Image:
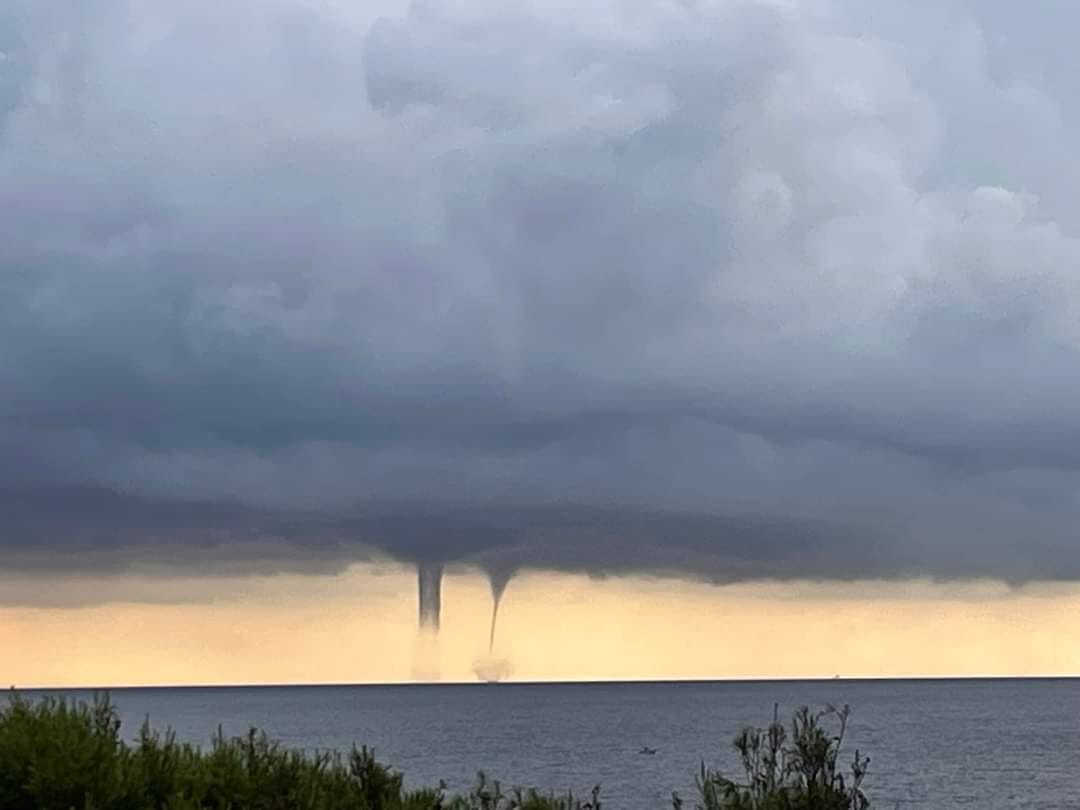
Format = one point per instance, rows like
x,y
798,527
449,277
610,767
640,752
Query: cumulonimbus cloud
x,y
811,260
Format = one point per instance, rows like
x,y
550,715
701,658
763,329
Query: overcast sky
x,y
807,264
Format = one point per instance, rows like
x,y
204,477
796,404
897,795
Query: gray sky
x,y
807,263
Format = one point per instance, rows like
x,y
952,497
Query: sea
x,y
986,743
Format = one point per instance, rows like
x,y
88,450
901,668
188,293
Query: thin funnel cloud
x,y
499,577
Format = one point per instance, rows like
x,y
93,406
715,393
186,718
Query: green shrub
x,y
56,755
802,774
53,754
490,796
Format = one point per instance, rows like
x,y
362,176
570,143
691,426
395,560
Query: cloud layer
x,y
814,261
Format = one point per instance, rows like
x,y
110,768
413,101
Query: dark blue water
x,y
984,744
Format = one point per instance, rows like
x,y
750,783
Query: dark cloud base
x,y
723,290
83,529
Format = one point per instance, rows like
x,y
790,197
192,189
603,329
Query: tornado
x,y
494,618
498,580
429,581
490,668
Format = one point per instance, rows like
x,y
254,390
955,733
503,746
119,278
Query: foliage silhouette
x,y
60,755
782,772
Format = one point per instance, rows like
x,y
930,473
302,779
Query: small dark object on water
x,y
646,750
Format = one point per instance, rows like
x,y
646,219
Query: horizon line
x,y
551,682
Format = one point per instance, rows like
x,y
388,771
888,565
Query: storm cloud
x,y
737,289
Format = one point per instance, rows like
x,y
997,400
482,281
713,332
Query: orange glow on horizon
x,y
360,626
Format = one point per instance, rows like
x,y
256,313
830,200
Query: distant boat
x,y
646,750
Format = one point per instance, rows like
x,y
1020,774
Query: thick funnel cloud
x,y
429,580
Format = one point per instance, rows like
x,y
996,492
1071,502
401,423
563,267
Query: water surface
x,y
940,744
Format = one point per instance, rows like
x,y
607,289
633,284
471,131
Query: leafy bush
x,y
53,754
56,755
802,774
490,796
